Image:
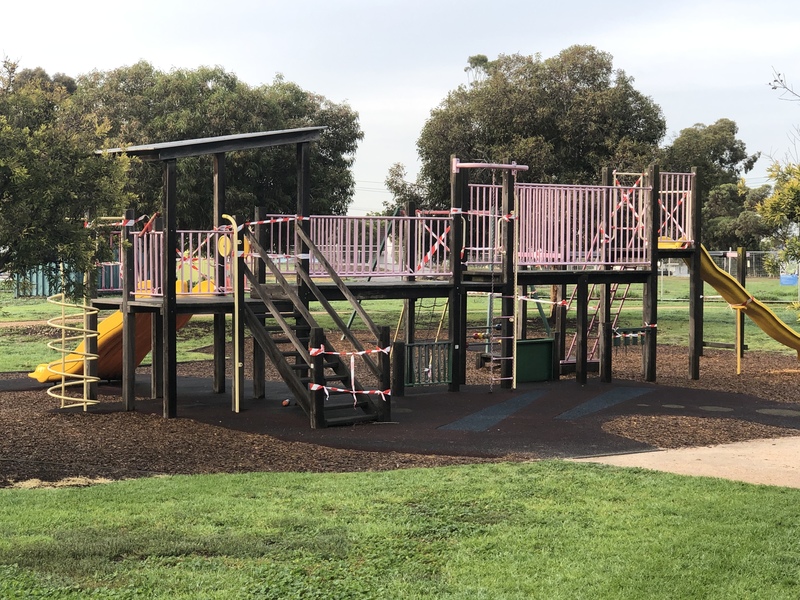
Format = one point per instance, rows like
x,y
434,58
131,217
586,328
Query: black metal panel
x,y
214,145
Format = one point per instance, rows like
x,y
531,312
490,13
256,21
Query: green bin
x,y
535,360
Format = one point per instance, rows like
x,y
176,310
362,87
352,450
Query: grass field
x,y
23,347
523,530
538,530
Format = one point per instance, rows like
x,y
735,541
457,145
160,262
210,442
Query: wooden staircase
x,y
320,379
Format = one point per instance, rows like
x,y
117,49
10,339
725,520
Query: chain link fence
x,y
759,264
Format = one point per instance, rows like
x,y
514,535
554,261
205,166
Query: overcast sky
x,y
393,61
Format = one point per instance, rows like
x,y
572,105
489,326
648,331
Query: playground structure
x,y
500,241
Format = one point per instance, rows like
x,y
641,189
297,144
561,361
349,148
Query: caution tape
x,y
429,256
328,389
123,223
743,305
541,301
321,350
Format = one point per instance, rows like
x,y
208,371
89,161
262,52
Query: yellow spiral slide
x,y
109,349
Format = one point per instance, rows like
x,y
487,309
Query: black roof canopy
x,y
215,145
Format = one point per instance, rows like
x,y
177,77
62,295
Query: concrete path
x,y
770,462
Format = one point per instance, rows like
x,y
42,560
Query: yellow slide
x,y
735,295
109,348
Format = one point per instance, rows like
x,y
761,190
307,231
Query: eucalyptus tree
x,y
50,179
565,117
146,105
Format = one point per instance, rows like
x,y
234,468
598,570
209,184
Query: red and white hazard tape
x,y
429,256
328,389
321,350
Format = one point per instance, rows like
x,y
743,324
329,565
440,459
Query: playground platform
x,y
541,420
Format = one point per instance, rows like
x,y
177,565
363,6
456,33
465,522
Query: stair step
x,y
350,419
327,379
284,340
299,367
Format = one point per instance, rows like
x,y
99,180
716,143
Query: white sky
x,y
395,60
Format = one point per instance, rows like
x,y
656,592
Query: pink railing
x,y
356,247
202,262
483,234
559,225
675,202
581,226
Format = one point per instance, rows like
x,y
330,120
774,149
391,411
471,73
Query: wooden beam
x,y
459,193
169,298
128,317
650,294
259,356
220,187
606,334
582,326
507,287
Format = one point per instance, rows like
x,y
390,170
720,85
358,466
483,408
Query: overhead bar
x,y
458,165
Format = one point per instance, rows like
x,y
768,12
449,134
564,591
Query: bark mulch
x,y
40,444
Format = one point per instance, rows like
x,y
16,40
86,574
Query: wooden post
x,y
582,325
605,325
742,276
259,356
459,190
695,286
386,371
560,331
650,294
157,343
218,383
508,300
169,298
128,316
606,334
399,366
695,314
238,323
303,210
410,304
317,404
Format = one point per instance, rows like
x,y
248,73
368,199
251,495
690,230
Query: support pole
x,y
218,384
128,316
386,372
606,334
399,366
459,192
582,326
605,325
157,343
259,356
237,257
742,276
317,404
507,285
169,298
695,286
650,293
303,210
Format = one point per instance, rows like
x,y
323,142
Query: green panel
x,y
535,360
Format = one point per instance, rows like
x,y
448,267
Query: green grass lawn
x,y
22,348
538,530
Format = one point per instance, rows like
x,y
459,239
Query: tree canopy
x,y
145,105
49,178
729,214
721,158
565,117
